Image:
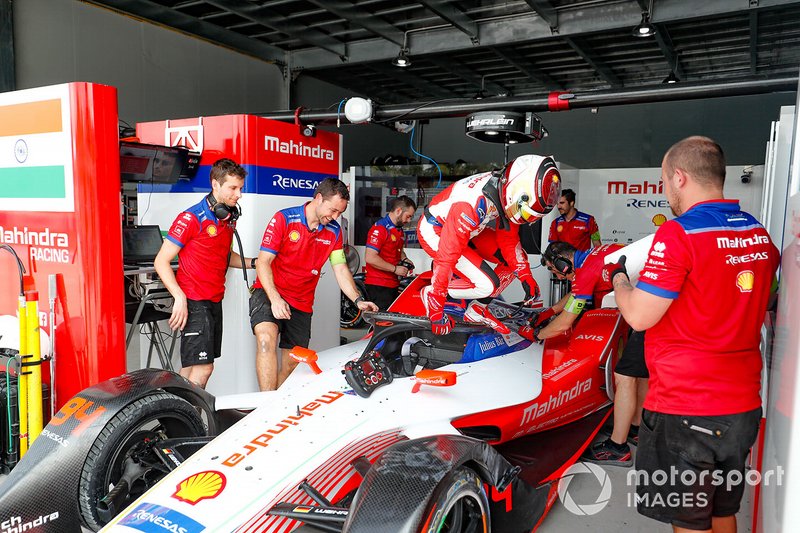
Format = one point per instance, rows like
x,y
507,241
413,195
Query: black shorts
x,y
201,339
690,468
294,332
631,362
381,296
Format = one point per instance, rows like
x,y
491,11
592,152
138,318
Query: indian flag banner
x,y
36,150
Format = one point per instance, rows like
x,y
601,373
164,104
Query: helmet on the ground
x,y
531,187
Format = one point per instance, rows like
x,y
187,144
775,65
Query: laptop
x,y
140,244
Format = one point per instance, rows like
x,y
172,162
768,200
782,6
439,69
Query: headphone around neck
x,y
222,211
562,265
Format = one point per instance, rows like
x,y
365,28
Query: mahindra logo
x,y
273,144
293,183
623,187
741,242
554,401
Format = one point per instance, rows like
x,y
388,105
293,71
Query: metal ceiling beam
x,y
152,11
753,41
591,58
467,74
515,59
545,9
255,13
449,12
361,17
589,99
590,18
668,49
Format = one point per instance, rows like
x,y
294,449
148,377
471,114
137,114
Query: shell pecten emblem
x,y
745,280
200,486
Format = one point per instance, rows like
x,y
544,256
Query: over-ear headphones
x,y
562,265
222,211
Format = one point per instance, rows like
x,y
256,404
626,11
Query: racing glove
x,y
530,333
612,269
441,322
531,289
543,318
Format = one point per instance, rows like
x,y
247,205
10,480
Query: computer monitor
x,y
140,243
152,163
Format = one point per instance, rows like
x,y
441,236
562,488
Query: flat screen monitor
x,y
152,163
140,243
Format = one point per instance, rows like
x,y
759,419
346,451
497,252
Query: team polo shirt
x,y
578,231
205,244
717,264
588,280
300,254
388,240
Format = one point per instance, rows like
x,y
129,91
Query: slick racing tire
x,y
350,316
133,433
459,505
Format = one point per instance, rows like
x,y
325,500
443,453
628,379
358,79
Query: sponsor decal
x,y
212,231
274,144
626,188
559,368
285,182
79,410
178,230
200,486
555,400
741,242
55,438
493,121
21,151
589,337
745,280
658,220
294,235
152,518
262,441
45,245
658,249
326,242
746,258
468,220
187,216
392,237
650,275
560,228
16,525
302,509
642,204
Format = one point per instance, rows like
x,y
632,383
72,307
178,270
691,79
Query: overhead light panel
x,y
672,78
402,60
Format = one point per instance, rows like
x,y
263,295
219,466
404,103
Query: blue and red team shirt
x,y
300,254
589,264
388,240
578,231
205,244
717,264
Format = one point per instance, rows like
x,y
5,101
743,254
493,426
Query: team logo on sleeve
x,y
294,236
745,280
658,249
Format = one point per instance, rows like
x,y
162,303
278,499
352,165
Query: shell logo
x,y
211,230
560,228
200,486
658,219
745,280
294,235
394,238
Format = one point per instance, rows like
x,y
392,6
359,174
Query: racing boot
x,y
479,313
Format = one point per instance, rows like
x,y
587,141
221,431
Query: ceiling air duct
x,y
505,127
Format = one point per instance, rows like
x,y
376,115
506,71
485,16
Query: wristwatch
x,y
253,263
358,299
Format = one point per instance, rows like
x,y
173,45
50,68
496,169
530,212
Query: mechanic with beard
x,y
296,243
476,221
573,226
701,296
201,237
386,260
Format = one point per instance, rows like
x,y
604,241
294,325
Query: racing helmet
x,y
530,189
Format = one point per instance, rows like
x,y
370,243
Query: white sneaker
x,y
479,313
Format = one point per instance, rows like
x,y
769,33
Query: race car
x,y
403,431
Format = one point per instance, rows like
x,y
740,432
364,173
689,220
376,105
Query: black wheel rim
x,y
350,314
464,516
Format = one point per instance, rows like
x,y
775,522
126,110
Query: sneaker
x,y
608,452
633,435
478,313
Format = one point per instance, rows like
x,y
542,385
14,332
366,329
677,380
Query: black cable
x,y
241,258
20,267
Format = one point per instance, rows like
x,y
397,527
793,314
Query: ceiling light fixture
x,y
672,78
402,60
645,28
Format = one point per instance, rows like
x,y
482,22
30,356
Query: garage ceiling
x,y
462,49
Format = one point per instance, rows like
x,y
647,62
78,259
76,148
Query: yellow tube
x,y
35,376
22,379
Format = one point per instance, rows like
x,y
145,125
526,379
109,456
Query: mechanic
x,y
702,296
584,270
385,257
475,221
296,243
573,226
201,237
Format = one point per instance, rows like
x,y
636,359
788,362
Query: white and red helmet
x,y
530,189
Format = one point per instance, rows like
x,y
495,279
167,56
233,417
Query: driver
x,y
476,221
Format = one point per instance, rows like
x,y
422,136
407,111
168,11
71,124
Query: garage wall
x,y
159,73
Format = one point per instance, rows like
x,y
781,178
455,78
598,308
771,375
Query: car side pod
x,y
307,356
434,378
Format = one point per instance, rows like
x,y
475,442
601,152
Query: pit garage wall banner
x,y
59,211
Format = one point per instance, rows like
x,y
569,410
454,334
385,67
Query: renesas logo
x,y
740,242
273,144
637,203
746,258
625,188
556,400
156,518
285,182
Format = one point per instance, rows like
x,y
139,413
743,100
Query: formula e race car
x,y
403,431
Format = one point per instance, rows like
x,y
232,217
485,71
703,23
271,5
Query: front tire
x,y
132,434
459,505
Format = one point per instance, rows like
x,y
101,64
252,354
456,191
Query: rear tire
x,y
350,316
459,505
133,431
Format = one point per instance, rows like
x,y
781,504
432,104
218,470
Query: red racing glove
x,y
531,288
441,322
612,269
543,318
530,333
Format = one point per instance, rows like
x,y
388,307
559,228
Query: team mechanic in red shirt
x,y
201,237
573,226
384,252
466,224
296,243
701,295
